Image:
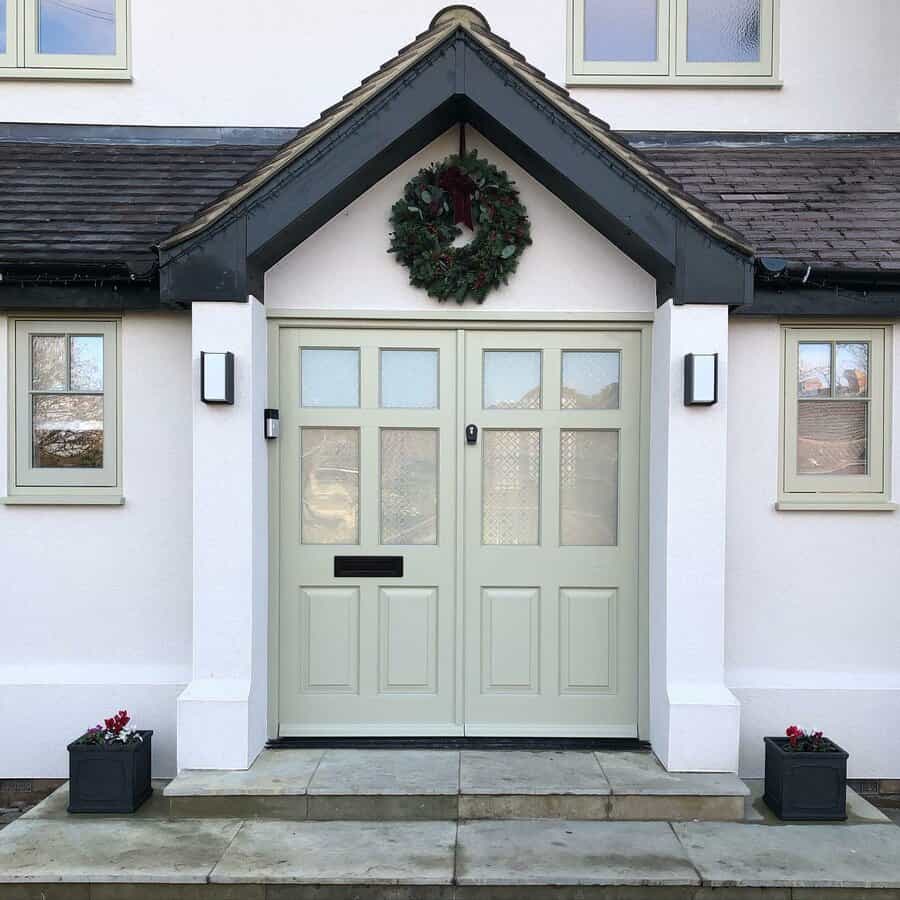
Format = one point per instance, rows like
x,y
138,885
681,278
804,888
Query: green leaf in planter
x,y
508,251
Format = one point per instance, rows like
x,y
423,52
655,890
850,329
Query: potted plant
x,y
109,768
806,776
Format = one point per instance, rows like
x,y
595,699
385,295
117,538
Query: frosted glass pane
x,y
77,26
409,379
512,379
86,362
832,437
851,370
329,479
67,431
511,480
2,27
723,31
815,370
620,30
409,486
48,361
589,488
329,377
590,380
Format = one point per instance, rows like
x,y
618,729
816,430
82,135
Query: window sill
x,y
835,506
63,500
674,81
50,74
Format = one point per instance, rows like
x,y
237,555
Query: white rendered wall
x,y
95,601
813,598
214,62
570,267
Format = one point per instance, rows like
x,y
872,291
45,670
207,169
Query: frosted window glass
x,y
589,488
86,362
409,486
67,431
511,481
409,379
329,377
329,479
590,380
77,26
620,30
48,361
512,379
832,437
723,31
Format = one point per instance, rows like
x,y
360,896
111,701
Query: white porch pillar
x,y
222,712
694,718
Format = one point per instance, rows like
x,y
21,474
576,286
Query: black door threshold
x,y
456,743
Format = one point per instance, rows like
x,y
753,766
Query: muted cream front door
x,y
439,582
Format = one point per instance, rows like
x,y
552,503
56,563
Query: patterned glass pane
x,y
815,370
67,431
512,379
851,370
723,31
589,488
48,361
409,486
409,379
329,377
590,380
511,481
86,362
832,437
77,26
620,30
329,485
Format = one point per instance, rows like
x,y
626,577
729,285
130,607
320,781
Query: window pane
x,y
329,377
2,27
77,26
67,432
851,369
409,379
620,30
590,380
409,484
512,379
48,361
511,481
86,362
723,31
832,438
329,480
589,488
815,370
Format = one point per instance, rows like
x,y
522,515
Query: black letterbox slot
x,y
368,567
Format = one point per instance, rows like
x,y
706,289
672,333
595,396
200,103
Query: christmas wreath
x,y
468,190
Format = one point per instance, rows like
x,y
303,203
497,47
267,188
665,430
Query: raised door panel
x,y
329,622
408,636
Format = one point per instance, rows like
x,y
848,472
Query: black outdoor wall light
x,y
217,377
701,379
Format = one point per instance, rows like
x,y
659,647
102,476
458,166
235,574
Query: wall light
x,y
701,379
217,377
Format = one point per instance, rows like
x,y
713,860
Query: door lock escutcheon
x,y
471,434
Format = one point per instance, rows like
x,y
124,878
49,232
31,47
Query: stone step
x,y
375,785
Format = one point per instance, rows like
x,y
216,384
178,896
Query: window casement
x,y
836,418
64,412
87,39
673,42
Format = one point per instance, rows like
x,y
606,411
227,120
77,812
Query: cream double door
x,y
436,579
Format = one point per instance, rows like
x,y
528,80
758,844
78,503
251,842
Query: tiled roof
x,y
827,206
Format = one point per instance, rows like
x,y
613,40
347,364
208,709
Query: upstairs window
x,y
64,39
673,42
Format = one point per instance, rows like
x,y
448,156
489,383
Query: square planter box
x,y
104,779
805,786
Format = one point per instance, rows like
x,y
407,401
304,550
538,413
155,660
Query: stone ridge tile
x,y
152,851
797,856
501,773
560,852
641,773
55,806
387,772
363,853
274,773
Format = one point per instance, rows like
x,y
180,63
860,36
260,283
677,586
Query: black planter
x,y
805,786
112,778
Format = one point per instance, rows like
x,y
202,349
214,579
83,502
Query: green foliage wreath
x,y
464,189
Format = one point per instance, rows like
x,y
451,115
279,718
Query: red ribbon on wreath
x,y
460,187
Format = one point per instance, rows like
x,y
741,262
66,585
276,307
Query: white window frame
x,y
23,59
33,485
672,69
871,491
